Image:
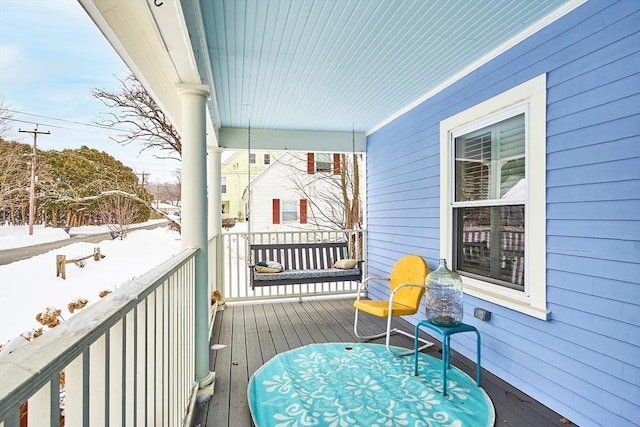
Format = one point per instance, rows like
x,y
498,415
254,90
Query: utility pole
x,y
144,175
32,192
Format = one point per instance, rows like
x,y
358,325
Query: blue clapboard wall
x,y
584,362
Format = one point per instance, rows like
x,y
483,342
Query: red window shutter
x,y
311,164
276,211
303,211
336,164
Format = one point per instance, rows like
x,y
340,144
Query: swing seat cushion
x,y
309,276
345,264
269,267
267,270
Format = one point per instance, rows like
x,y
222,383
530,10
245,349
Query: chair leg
x,y
364,337
395,331
387,334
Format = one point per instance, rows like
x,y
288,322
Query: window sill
x,y
507,298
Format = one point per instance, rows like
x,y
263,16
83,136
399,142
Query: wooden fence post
x,y
97,256
61,263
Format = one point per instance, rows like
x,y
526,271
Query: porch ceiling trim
x,y
283,140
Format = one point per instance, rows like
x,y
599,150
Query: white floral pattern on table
x,y
359,384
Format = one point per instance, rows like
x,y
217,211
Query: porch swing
x,y
301,263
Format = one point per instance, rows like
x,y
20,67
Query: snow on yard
x,y
16,237
30,286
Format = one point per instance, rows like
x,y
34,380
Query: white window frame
x,y
223,190
292,202
530,97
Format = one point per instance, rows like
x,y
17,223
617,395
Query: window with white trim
x,y
267,159
224,184
324,162
493,202
289,210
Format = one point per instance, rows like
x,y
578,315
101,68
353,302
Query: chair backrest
x,y
409,269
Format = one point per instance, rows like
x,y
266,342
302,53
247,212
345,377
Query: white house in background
x,y
235,173
299,191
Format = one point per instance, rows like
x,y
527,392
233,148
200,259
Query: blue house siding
x,y
585,361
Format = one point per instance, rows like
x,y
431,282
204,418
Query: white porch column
x,y
215,213
194,214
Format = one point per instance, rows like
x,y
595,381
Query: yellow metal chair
x,y
406,289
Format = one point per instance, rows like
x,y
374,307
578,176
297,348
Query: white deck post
x,y
215,211
194,215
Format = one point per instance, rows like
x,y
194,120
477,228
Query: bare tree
x,y
338,205
119,210
178,187
165,192
350,183
6,114
139,118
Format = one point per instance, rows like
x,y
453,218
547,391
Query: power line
x,y
144,166
60,127
97,125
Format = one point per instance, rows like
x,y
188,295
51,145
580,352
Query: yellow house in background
x,y
235,177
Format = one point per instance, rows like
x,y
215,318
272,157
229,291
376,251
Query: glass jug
x,y
444,296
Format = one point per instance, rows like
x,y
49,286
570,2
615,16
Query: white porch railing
x,y
235,268
127,360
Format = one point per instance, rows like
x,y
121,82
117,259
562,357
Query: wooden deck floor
x,y
253,334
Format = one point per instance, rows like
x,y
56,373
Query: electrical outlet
x,y
482,314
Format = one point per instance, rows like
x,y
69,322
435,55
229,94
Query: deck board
x,y
291,332
253,334
239,371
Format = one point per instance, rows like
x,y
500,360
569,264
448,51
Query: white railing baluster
x,y
162,363
116,374
97,385
153,338
139,374
40,405
157,356
74,396
130,366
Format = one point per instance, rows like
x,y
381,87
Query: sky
x,y
52,57
29,286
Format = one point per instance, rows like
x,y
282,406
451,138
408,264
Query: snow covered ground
x,y
30,286
16,237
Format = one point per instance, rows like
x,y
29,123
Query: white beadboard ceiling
x,y
333,65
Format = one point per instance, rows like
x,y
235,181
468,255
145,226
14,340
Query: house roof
x,y
305,74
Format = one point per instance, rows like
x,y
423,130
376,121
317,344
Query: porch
x,y
130,359
253,333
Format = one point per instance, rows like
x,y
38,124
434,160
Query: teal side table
x,y
446,332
